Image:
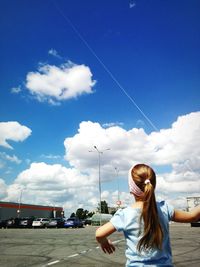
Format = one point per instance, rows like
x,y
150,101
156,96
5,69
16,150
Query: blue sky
x,y
69,70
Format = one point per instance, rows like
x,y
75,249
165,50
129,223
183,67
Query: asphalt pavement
x,y
77,247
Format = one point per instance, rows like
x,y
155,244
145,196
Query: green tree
x,y
104,207
81,213
73,215
90,214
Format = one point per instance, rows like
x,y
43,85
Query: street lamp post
x,y
62,213
99,168
118,197
19,204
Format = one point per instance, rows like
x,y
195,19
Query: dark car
x,y
3,223
26,222
73,222
12,223
56,222
88,221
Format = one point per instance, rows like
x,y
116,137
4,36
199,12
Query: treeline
x,y
84,214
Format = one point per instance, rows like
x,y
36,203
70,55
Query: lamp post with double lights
x,y
99,176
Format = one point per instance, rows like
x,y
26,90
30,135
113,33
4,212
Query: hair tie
x,y
133,187
147,181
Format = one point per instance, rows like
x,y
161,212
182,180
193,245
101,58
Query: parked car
x,y
26,222
3,223
12,223
73,222
40,222
88,221
56,222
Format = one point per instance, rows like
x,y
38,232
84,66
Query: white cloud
x,y
111,198
178,146
132,4
7,157
50,156
54,84
126,147
53,184
3,189
171,182
111,124
54,53
2,164
77,186
16,90
180,142
12,130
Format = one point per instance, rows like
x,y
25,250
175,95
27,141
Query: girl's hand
x,y
107,247
101,237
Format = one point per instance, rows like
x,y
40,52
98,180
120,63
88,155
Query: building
x,y
100,219
193,202
20,210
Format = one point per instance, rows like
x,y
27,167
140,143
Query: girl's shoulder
x,y
163,204
125,217
166,208
129,211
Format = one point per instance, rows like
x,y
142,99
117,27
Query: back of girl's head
x,y
144,177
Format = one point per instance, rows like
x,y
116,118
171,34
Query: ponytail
x,y
153,234
145,179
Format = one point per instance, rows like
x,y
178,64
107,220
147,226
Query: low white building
x,y
100,219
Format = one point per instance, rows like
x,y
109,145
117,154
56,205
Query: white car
x,y
40,222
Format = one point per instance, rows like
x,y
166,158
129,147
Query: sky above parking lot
x,y
119,75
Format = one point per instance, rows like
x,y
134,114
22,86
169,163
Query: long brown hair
x,y
153,234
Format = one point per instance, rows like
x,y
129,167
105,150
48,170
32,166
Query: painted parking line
x,y
53,262
78,254
74,255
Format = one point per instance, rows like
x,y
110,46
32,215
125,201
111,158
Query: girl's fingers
x,y
108,248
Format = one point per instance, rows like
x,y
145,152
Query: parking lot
x,y
77,247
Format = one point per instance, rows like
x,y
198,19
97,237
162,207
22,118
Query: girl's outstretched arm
x,y
187,216
101,236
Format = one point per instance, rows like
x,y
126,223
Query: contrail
x,y
104,66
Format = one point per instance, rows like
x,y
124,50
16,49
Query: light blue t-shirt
x,y
128,221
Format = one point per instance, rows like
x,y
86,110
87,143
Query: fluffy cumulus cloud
x,y
179,143
57,185
173,153
54,84
3,189
173,146
13,131
53,185
177,147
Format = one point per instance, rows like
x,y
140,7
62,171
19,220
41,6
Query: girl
x,y
145,224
